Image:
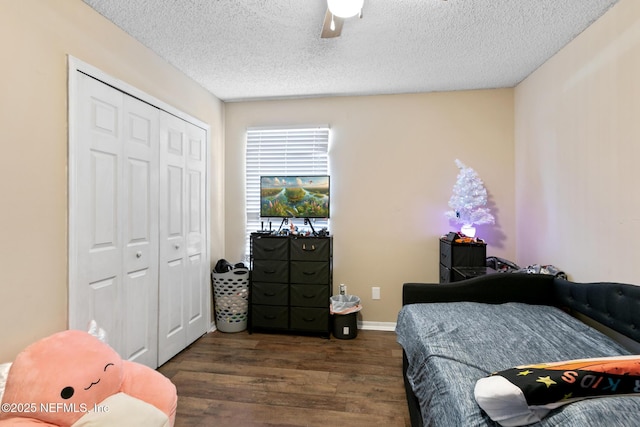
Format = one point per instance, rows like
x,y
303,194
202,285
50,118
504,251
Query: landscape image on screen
x,y
294,196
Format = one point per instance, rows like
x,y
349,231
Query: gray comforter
x,y
450,346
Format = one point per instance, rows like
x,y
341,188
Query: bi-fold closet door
x,y
138,242
183,261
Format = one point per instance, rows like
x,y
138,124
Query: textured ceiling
x,y
266,49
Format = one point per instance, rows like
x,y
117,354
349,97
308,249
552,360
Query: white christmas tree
x,y
468,199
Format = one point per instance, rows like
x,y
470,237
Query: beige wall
x,y
35,38
577,148
392,173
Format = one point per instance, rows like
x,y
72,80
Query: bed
x,y
453,335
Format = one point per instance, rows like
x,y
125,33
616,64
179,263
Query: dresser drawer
x,y
268,316
271,248
445,254
309,272
310,295
270,271
269,293
310,249
310,319
445,274
462,255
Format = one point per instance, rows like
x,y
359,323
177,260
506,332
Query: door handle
x,y
177,246
138,254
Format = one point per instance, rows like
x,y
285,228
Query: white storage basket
x,y
231,296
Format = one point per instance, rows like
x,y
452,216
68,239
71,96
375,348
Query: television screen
x,y
294,196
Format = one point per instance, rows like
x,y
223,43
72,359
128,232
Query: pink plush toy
x,y
73,379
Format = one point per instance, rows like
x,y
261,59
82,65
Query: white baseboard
x,y
371,326
377,326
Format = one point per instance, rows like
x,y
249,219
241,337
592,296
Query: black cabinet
x,y
291,282
454,254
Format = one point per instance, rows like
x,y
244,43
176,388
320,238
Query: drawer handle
x,y
269,294
269,249
269,271
270,317
304,247
308,296
308,273
309,319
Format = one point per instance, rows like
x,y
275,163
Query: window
x,y
282,151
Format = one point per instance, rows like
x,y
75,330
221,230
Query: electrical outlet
x,y
375,292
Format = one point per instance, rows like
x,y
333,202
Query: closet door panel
x,y
141,245
96,292
140,231
194,297
171,308
101,297
183,292
175,203
172,334
101,205
196,237
140,337
195,211
116,214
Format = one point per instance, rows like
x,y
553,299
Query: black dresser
x,y
454,255
291,282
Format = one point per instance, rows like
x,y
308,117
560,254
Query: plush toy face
x,y
63,376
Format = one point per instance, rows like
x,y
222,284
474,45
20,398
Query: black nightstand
x,y
454,255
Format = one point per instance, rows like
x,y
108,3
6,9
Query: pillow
x,y
526,394
60,378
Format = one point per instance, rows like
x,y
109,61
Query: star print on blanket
x,y
525,394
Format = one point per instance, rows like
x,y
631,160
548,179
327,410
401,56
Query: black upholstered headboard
x,y
615,305
491,289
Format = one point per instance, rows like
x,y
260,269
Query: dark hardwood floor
x,y
261,379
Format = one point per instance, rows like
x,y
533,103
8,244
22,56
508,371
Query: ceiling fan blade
x,y
327,32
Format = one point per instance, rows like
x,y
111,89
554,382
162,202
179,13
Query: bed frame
x,y
612,308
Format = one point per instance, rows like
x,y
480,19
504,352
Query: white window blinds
x,y
282,151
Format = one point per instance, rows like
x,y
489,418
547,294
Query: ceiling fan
x,y
337,12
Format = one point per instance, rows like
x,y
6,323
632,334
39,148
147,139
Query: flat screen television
x,y
294,196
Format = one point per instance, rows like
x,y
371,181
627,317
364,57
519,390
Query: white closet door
x,y
138,218
172,332
183,264
95,294
115,212
198,273
140,231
